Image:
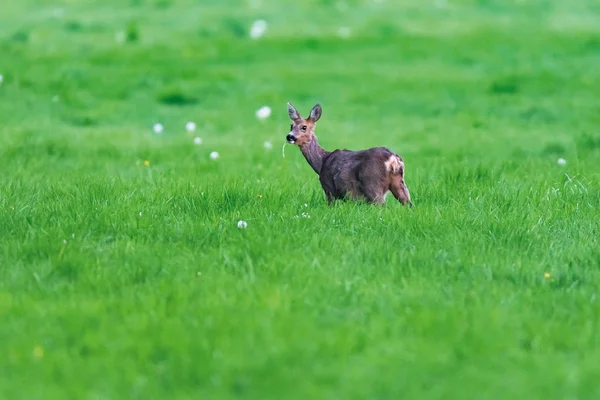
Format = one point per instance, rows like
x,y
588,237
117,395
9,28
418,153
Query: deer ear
x,y
292,112
315,113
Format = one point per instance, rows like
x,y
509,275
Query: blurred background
x,y
405,71
135,135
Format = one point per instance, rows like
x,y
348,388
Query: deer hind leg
x,y
379,198
399,190
330,198
373,194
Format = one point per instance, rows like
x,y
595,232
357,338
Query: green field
x,y
121,280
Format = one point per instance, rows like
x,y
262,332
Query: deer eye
x,y
303,128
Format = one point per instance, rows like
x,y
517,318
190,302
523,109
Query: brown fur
x,y
367,174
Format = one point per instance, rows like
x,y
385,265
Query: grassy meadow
x,y
124,275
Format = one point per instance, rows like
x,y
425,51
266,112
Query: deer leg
x,y
329,197
328,188
373,195
400,191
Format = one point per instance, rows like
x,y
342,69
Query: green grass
x,y
445,300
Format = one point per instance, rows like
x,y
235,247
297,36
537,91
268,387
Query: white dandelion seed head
x,y
561,161
214,155
140,213
255,3
58,12
242,224
344,32
120,37
158,128
190,126
263,112
258,28
72,236
64,241
1,78
197,140
268,145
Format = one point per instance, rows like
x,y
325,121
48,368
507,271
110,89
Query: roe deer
x,y
367,174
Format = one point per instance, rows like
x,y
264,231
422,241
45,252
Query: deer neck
x,y
314,154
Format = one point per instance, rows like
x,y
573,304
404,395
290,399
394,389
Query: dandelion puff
x,y
214,155
561,162
344,32
264,112
258,29
1,78
268,145
441,3
198,140
58,12
158,128
64,241
190,126
140,214
242,224
120,37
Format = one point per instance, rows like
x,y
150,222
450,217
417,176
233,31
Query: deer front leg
x,y
328,188
372,193
400,191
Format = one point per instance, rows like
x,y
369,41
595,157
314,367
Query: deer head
x,y
302,131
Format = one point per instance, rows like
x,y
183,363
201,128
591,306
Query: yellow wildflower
x,y
38,351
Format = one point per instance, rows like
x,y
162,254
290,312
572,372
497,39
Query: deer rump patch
x,y
394,165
